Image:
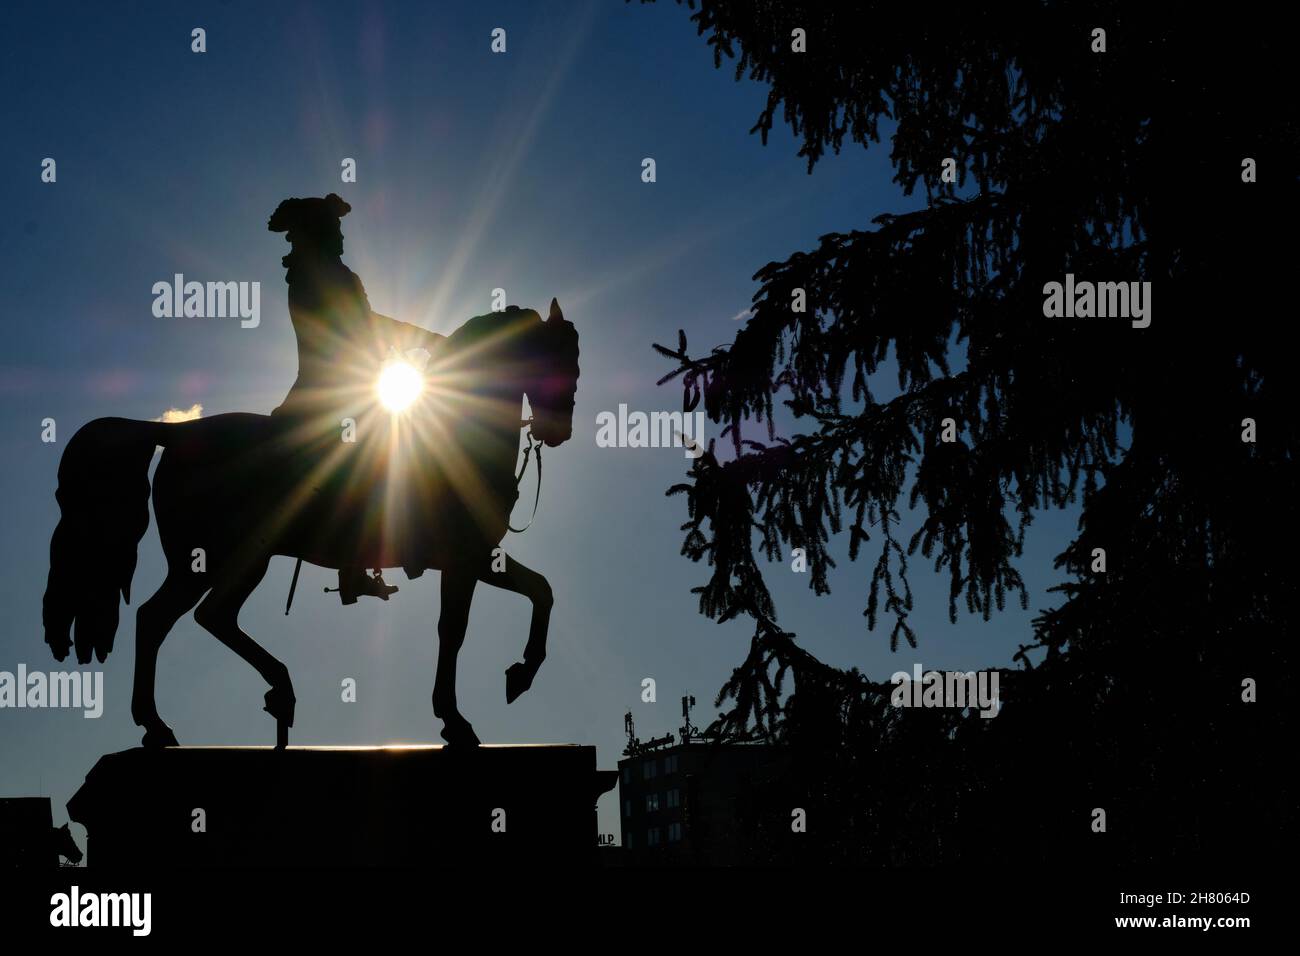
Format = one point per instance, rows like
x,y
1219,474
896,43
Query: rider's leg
x,y
353,582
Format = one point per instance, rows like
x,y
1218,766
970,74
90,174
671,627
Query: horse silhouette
x,y
431,488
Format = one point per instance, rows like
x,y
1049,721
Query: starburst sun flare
x,y
400,384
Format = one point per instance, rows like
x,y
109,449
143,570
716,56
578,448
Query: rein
x,y
533,443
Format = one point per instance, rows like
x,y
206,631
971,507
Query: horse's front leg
x,y
457,592
519,579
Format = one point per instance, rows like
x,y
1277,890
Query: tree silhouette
x,y
1136,163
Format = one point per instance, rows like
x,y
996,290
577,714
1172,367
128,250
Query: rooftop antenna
x,y
688,731
629,728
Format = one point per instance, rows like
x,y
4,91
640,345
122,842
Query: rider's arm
x,y
387,332
403,336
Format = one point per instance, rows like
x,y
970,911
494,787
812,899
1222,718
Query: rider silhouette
x,y
341,340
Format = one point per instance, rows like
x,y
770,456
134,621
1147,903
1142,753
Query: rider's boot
x,y
354,582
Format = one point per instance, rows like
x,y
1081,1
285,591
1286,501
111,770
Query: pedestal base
x,y
345,806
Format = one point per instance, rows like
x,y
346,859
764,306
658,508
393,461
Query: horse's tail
x,y
103,498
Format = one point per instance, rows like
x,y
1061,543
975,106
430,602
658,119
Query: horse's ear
x,y
555,311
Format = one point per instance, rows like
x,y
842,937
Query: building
x,y
681,800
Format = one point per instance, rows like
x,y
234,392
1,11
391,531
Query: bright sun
x,y
400,384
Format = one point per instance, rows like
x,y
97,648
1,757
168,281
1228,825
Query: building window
x,y
674,832
648,769
627,808
670,764
631,838
674,797
627,774
651,802
652,837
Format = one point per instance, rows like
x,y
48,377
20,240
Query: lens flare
x,y
400,384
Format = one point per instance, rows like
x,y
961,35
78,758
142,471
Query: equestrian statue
x,y
341,475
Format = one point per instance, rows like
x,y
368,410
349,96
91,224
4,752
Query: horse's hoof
x,y
280,704
519,677
460,734
158,737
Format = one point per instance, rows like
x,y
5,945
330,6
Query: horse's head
x,y
554,351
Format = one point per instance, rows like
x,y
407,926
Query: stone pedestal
x,y
342,806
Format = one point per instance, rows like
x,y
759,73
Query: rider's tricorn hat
x,y
307,218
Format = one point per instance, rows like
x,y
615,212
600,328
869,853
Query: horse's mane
x,y
512,328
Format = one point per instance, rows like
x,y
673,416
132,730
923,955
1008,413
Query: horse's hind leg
x,y
523,580
453,618
219,616
180,591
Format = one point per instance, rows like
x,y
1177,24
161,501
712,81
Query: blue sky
x,y
475,171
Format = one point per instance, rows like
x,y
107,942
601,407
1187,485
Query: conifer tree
x,y
1164,150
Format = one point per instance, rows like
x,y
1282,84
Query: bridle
x,y
533,444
